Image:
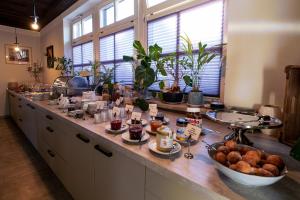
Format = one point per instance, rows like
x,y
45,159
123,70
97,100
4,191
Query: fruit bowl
x,y
242,178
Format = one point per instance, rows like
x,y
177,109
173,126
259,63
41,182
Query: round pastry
x,y
223,149
252,157
271,168
233,167
275,160
231,145
244,150
263,172
244,167
220,157
234,156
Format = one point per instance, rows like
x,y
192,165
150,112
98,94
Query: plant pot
x,y
195,98
171,97
98,89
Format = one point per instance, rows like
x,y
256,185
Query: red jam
x,y
135,132
115,124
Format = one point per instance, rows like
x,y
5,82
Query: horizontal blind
x,y
112,50
201,23
82,55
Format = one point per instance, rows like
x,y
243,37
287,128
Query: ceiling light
x,y
17,48
34,25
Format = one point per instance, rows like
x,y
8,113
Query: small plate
x,y
125,136
144,122
148,130
184,142
152,147
165,122
124,127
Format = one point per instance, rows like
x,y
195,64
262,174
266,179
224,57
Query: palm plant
x,y
195,62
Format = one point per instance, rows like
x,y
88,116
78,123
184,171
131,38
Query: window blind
x,y
112,49
201,23
82,55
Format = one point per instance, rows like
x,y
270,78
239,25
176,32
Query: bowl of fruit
x,y
247,165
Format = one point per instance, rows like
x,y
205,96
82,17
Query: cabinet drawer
x,y
55,137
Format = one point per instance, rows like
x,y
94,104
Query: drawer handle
x,y
83,138
51,153
13,95
20,106
105,152
19,99
49,129
20,120
30,106
49,117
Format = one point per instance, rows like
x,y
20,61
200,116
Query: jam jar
x,y
135,131
193,116
181,124
164,139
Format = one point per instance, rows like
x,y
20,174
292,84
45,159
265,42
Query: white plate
x,y
152,147
124,127
125,136
144,122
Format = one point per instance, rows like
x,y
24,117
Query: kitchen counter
x,y
198,173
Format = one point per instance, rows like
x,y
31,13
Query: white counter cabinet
x,y
117,176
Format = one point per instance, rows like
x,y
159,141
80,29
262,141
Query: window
x,y
83,27
112,49
116,11
125,8
82,55
166,32
151,3
107,15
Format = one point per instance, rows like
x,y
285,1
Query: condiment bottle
x,y
164,139
181,124
193,116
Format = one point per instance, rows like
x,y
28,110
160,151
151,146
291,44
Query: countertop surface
x,y
199,172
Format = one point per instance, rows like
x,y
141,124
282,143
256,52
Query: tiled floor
x,y
23,173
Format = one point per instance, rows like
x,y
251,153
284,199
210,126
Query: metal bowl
x,y
245,179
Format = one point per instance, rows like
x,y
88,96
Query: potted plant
x,y
195,63
144,74
174,68
35,71
103,77
65,65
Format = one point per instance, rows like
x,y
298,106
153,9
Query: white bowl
x,y
245,179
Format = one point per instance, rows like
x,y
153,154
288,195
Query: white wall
x,y
12,72
52,35
263,37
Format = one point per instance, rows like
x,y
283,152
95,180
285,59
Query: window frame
x,y
115,61
83,37
171,7
82,64
142,14
116,23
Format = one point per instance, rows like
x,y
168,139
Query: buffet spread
x,y
170,136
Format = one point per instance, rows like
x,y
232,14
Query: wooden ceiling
x,y
16,13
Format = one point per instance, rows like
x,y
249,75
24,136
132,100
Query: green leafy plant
x,y
96,70
145,75
195,62
175,68
65,65
106,75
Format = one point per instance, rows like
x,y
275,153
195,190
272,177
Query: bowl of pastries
x,y
247,165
